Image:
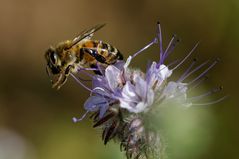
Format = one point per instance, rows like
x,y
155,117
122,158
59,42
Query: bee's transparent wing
x,y
88,33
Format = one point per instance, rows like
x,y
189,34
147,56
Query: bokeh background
x,y
35,120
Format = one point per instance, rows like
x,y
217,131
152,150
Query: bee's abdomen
x,y
101,51
111,53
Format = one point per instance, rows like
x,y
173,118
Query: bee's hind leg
x,y
98,72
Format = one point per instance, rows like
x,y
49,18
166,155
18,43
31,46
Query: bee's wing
x,y
88,33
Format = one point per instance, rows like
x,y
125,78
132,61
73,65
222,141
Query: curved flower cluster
x,y
122,99
135,90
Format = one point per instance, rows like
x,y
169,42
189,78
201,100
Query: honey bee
x,y
81,52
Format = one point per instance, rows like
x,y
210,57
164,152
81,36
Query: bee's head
x,y
53,64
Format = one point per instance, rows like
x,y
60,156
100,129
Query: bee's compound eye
x,y
53,57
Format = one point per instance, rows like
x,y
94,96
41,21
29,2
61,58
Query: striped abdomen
x,y
92,51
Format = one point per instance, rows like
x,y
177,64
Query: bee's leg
x,y
63,78
57,82
98,72
66,74
119,55
63,81
68,70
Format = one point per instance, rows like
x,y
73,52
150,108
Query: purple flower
x,y
123,95
137,91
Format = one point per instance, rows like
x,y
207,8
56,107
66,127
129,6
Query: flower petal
x,y
141,87
101,92
112,75
164,72
119,64
127,62
150,97
140,107
99,81
94,103
128,91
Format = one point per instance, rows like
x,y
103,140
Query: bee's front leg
x,y
68,70
66,74
64,77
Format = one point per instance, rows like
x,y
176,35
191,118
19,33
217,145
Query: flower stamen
x,y
212,91
78,81
198,82
193,71
159,36
171,46
154,41
187,70
186,57
204,72
75,120
211,103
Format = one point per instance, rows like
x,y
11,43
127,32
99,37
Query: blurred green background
x,y
35,120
